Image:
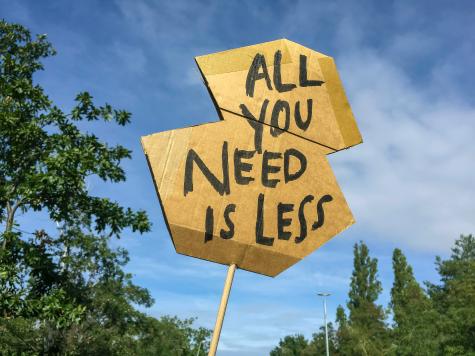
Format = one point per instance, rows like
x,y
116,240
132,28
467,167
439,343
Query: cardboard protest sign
x,y
255,189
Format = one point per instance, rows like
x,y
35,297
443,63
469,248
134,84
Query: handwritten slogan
x,y
255,189
264,167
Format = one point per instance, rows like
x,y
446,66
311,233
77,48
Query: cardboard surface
x,y
186,209
256,189
331,122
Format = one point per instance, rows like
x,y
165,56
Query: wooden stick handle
x,y
222,310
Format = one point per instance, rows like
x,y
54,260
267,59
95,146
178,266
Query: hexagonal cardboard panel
x,y
296,82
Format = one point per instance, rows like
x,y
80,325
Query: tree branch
x,y
11,210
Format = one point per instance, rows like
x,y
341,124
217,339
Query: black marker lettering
x,y
303,164
304,82
320,213
268,169
231,208
240,166
260,238
253,75
209,224
303,125
220,187
280,105
255,124
303,222
281,222
281,88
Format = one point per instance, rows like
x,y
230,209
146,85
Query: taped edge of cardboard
x,y
248,256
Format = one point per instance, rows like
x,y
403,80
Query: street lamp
x,y
324,295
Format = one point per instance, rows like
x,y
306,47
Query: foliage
x,y
290,346
171,336
343,335
65,291
316,346
365,332
414,331
438,321
454,298
299,346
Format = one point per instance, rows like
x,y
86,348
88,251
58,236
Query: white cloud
x,y
411,180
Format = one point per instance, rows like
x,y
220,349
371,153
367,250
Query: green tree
x,y
316,345
366,328
343,339
290,346
454,298
171,336
414,331
62,291
48,284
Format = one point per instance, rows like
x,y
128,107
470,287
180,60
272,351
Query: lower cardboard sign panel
x,y
238,191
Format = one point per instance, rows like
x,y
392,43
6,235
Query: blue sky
x,y
406,67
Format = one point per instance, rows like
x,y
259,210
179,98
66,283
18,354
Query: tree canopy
x,y
364,331
436,320
65,291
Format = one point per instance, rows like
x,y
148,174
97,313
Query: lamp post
x,y
324,295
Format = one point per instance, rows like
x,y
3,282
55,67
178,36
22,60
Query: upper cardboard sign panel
x,y
285,85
